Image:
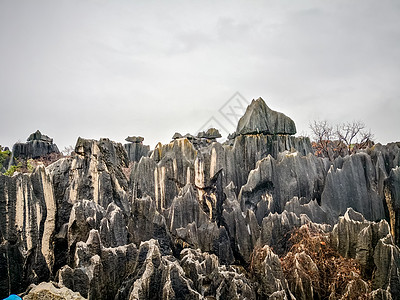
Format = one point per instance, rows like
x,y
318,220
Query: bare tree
x,y
68,150
354,135
323,134
347,138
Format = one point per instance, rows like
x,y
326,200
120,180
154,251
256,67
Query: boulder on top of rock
x,y
211,133
134,139
259,118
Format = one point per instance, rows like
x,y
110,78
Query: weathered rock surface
x,y
210,134
156,277
50,291
197,219
392,201
27,222
351,182
259,118
274,182
135,149
372,245
98,271
37,145
267,269
135,139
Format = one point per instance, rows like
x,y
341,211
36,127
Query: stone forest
x,y
260,216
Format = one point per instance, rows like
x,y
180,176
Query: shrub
x,y
4,157
13,169
333,273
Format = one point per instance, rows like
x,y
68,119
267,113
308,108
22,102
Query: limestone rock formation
x,y
199,219
135,149
373,247
259,118
275,181
176,136
27,221
98,272
210,134
50,291
154,276
135,139
270,280
351,182
37,145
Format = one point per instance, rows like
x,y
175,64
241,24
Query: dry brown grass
x,y
333,273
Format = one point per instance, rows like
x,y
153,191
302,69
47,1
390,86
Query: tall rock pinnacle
x,y
259,118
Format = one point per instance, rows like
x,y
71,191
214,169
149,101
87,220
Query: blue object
x,y
13,297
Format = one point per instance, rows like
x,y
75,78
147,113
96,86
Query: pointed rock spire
x,y
259,118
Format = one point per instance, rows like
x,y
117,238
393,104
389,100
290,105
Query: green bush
x,y
13,169
4,156
29,165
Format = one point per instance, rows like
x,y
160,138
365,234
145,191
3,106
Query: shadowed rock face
x,y
37,145
197,219
135,149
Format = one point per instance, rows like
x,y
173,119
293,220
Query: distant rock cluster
x,y
200,219
37,145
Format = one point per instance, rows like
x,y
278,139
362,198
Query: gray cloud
x,y
112,69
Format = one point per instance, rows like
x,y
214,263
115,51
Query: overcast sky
x,y
151,68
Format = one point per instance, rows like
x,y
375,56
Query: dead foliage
x,y
313,259
49,158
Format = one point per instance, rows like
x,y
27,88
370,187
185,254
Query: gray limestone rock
x,y
199,267
176,136
242,227
198,211
276,229
228,283
387,262
303,206
372,245
259,118
27,223
134,139
392,201
147,223
51,291
37,145
211,134
94,173
274,182
301,279
97,271
136,151
38,136
351,182
156,277
267,269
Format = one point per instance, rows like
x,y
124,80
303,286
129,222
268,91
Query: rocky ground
x,y
257,217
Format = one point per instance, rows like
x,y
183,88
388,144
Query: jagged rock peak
x,y
38,136
134,139
37,145
211,133
259,118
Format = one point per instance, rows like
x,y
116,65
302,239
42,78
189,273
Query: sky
x,y
93,68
